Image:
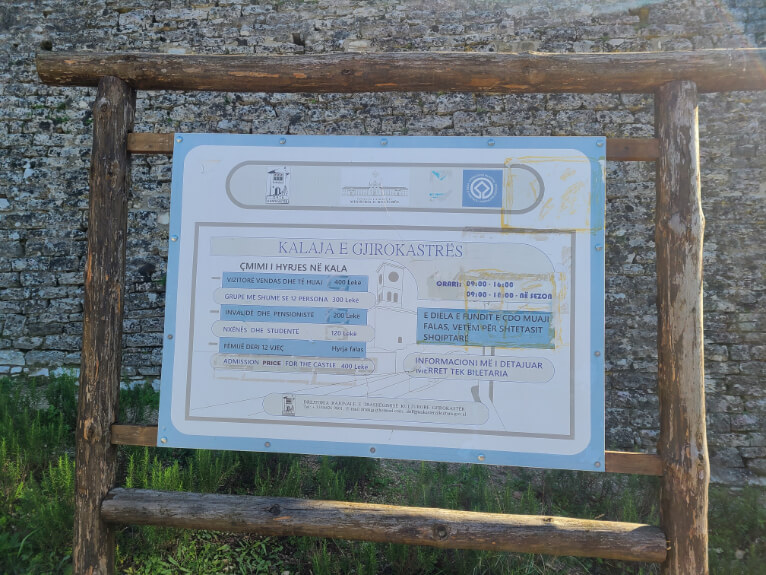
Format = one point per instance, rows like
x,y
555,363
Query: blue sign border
x,y
589,459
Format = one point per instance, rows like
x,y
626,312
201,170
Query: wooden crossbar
x,y
636,72
617,149
150,143
442,528
616,461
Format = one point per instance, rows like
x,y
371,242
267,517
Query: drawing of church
x,y
390,281
394,316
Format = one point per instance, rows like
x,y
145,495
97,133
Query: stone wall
x,y
45,146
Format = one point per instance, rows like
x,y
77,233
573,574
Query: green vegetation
x,y
737,531
37,484
36,475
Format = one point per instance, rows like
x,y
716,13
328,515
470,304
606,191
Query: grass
x,y
36,475
37,499
737,531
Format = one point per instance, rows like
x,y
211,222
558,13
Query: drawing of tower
x,y
390,282
394,317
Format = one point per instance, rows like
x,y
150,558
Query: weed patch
x,y
37,420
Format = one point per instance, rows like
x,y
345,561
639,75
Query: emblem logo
x,y
288,405
278,190
483,188
375,193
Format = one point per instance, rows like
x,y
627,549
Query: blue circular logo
x,y
482,189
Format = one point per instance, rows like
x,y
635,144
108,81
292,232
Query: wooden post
x,y
113,112
679,231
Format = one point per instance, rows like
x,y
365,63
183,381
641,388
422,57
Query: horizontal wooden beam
x,y
616,461
449,529
617,149
634,463
636,72
142,435
150,143
632,149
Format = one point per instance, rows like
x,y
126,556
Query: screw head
x,y
179,140
597,464
383,142
481,458
282,140
163,440
597,354
267,444
372,450
170,336
490,142
600,144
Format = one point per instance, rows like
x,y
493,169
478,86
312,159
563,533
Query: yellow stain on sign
x,y
569,199
568,205
524,191
546,209
556,159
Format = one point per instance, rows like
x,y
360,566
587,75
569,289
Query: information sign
x,y
402,297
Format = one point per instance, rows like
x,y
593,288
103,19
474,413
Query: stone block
x,y
718,422
450,103
11,357
143,340
14,325
728,476
753,452
726,403
757,466
726,457
45,358
9,279
64,342
755,405
716,353
27,342
748,422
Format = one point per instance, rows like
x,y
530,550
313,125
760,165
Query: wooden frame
x,y
616,461
617,149
96,456
638,72
674,77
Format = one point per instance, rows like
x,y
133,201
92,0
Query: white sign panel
x,y
402,297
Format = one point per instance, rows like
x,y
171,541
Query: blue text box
x,y
295,347
485,328
294,314
309,282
